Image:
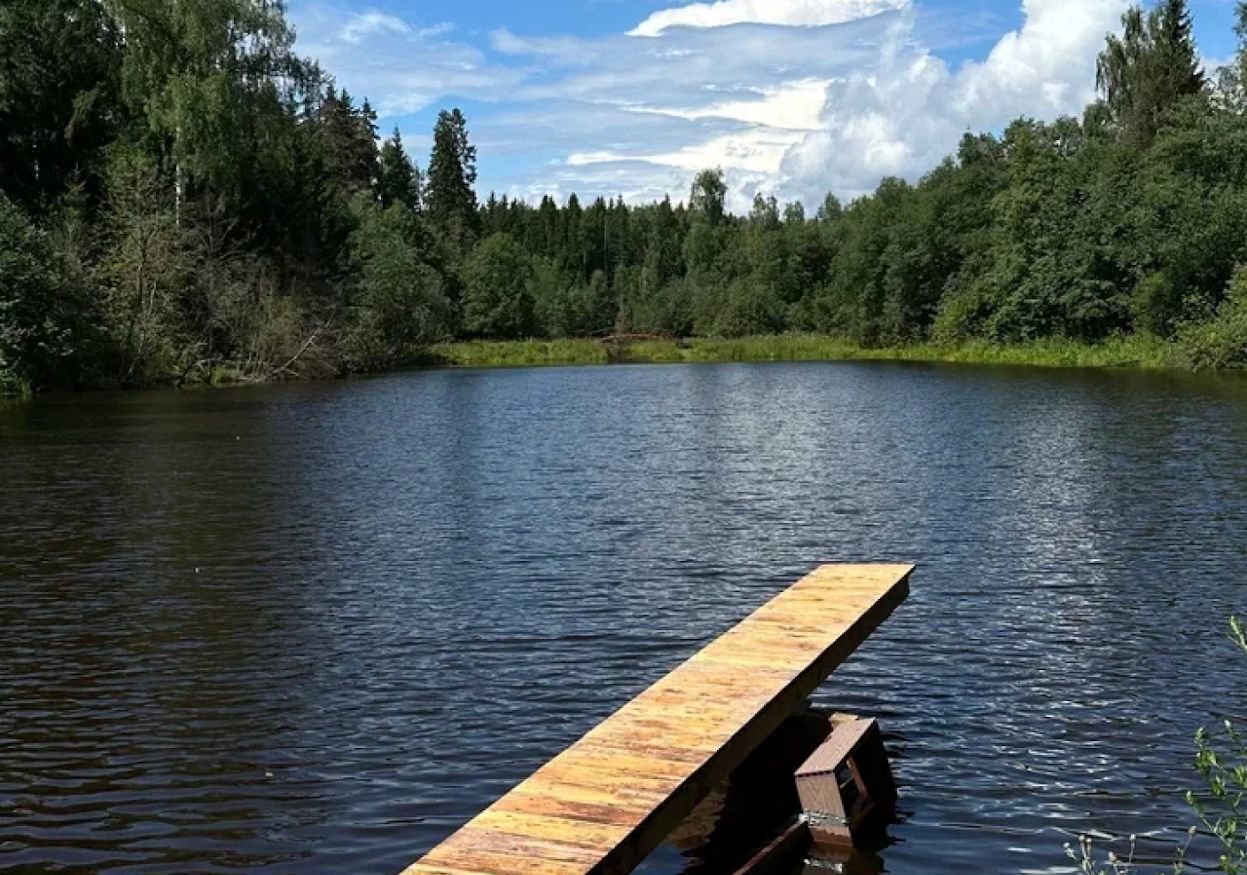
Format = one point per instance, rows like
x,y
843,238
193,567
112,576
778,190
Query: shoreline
x,y
1139,352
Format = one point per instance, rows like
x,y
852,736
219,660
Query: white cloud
x,y
372,22
435,30
800,13
1047,66
758,150
401,66
793,105
901,115
797,96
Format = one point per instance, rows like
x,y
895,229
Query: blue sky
x,y
792,97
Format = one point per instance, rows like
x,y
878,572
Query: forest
x,y
185,199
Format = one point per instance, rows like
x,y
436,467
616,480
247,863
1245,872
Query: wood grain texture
x,y
829,756
601,806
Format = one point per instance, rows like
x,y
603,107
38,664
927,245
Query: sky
x,y
794,98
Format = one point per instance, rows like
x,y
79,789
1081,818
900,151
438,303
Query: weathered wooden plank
x,y
603,804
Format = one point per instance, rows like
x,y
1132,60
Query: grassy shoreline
x,y
1141,352
1126,352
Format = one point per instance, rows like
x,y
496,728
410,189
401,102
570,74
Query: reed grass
x,y
1139,351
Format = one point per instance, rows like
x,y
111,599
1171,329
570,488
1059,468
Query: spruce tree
x,y
1181,72
830,209
1144,73
450,198
398,179
573,257
347,144
662,249
60,66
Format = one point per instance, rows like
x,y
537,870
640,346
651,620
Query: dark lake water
x,y
315,628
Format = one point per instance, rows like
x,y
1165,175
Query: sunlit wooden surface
x,y
608,800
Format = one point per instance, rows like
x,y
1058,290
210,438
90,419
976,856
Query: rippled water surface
x,y
314,628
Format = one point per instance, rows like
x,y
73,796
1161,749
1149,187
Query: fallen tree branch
x,y
294,358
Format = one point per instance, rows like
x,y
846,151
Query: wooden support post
x,y
846,783
781,854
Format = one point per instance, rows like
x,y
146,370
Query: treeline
x,y
184,198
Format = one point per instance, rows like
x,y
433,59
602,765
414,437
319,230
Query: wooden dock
x,y
601,806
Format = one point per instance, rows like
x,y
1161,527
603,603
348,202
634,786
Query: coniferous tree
x,y
60,63
662,250
450,196
830,209
573,257
398,179
1143,74
347,141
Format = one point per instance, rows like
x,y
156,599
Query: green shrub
x,y
400,300
961,316
1222,763
498,294
46,324
1156,298
1220,342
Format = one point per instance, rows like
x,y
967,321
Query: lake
x,y
314,628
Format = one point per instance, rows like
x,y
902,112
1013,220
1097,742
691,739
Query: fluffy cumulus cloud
x,y
1046,67
793,96
900,115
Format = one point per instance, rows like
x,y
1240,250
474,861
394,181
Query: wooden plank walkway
x,y
601,806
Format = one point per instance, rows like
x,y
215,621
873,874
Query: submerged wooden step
x,y
601,806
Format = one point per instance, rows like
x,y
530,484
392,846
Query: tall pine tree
x,y
450,197
60,64
398,179
1144,73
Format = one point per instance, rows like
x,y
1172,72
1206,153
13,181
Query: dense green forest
x,y
184,198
